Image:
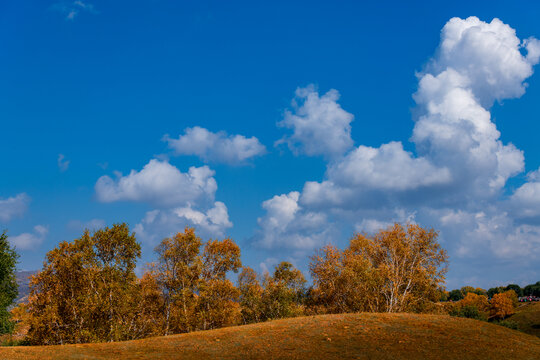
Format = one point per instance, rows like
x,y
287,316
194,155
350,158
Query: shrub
x,y
507,323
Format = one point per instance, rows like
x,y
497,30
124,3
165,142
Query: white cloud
x,y
320,126
287,225
216,147
455,179
457,132
13,206
158,224
388,167
161,184
525,201
179,200
29,241
495,232
488,54
63,164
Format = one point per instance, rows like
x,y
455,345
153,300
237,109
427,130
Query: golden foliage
x,y
397,269
502,305
86,289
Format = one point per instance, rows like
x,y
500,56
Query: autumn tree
x,y
283,292
516,288
196,291
397,269
148,317
479,301
502,305
217,303
250,296
177,271
115,253
342,282
8,283
86,289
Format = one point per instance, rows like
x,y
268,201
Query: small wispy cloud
x,y
63,164
72,9
30,240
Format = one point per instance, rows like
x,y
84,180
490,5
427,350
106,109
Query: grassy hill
x,y
359,336
527,318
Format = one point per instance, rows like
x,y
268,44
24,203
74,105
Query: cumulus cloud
x,y
29,241
287,225
13,206
455,179
178,200
216,147
490,230
320,126
159,183
488,55
157,224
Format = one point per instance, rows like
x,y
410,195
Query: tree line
x,y
458,294
87,290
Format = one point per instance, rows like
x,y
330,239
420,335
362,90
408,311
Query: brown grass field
x,y
348,336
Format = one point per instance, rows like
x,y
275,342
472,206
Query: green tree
x,y
495,290
455,295
517,289
532,289
8,283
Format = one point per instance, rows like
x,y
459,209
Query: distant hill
x,y
23,280
347,336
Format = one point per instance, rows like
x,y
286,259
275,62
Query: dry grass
x,y
527,317
358,336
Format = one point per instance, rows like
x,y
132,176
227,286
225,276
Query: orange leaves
x,y
397,269
502,305
479,301
196,292
86,290
220,257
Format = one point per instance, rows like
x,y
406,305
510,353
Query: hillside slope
x,y
527,317
359,336
23,282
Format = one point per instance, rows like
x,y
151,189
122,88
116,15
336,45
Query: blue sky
x,y
90,89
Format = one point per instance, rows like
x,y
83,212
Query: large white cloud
x,y
13,206
456,179
159,183
320,126
488,55
178,199
216,147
